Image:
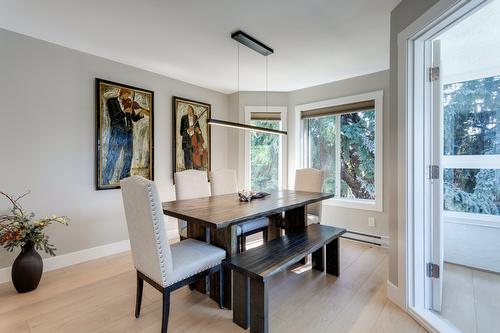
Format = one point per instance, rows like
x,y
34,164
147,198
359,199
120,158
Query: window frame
x,y
283,167
303,143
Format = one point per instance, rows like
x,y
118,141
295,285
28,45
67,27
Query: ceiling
x,y
315,41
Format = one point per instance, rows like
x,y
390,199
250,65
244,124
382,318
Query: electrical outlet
x,y
371,221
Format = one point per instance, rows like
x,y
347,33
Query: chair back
x,y
146,228
190,184
310,180
223,182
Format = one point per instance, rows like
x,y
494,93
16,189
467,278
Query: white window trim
x,y
470,161
283,143
302,155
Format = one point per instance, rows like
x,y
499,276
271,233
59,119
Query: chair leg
x,y
166,310
221,287
138,297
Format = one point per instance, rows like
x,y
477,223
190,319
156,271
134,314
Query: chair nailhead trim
x,y
157,235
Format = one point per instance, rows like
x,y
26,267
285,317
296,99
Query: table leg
x,y
259,307
295,220
273,228
318,260
225,239
333,257
241,300
195,231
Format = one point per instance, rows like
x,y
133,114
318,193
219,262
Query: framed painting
x,y
124,133
191,135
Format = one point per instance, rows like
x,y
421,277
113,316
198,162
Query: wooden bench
x,y
253,268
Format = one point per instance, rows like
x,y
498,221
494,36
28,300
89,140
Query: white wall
x,y
47,130
471,245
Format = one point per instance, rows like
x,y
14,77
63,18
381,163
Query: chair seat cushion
x,y
191,257
251,226
312,219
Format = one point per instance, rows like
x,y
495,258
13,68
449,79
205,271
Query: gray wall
x,y
401,17
47,137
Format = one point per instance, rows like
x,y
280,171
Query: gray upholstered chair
x,y
166,267
224,182
310,180
190,184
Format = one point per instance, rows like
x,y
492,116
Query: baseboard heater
x,y
371,239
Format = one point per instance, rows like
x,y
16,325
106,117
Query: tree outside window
x,y
264,157
345,144
471,113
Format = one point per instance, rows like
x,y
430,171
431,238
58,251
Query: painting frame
x,y
98,131
175,131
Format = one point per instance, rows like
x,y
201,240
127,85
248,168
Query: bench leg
x,y
241,300
259,307
318,260
333,257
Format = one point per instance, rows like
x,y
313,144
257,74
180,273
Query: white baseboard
x,y
68,259
394,295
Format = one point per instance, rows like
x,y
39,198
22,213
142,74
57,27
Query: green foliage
x,y
357,156
357,132
322,137
264,157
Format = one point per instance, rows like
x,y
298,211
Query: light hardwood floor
x,y
98,296
471,299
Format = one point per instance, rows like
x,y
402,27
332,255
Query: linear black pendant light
x,y
265,50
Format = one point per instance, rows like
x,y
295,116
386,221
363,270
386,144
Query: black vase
x,y
27,269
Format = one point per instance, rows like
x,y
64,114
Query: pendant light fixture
x,y
265,50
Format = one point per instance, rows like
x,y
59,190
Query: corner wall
x,y
353,219
47,131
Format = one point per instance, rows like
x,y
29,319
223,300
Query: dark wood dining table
x,y
214,219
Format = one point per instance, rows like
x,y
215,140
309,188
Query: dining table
x,y
214,219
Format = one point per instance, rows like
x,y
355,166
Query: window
x,y
264,150
342,138
471,146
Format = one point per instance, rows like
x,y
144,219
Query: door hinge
x,y
432,270
433,171
433,74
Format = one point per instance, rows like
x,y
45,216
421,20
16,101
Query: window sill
x,y
355,204
480,220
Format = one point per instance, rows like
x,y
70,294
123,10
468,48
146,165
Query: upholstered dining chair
x,y
166,267
310,180
190,184
224,182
